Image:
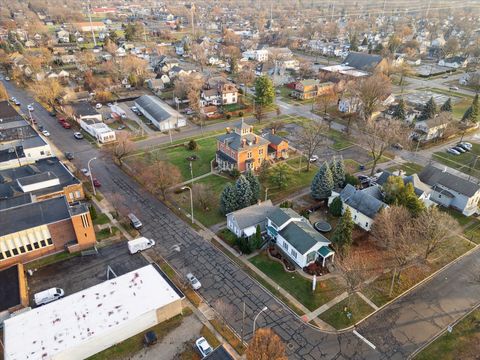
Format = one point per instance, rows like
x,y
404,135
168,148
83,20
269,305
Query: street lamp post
x,y
255,320
91,177
191,200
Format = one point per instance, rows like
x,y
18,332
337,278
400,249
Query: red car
x,y
96,183
66,125
61,119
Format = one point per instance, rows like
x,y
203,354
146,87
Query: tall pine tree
x,y
254,187
228,199
342,236
475,108
400,112
243,192
429,110
337,167
447,106
468,115
322,184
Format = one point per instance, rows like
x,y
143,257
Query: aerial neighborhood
x,y
239,180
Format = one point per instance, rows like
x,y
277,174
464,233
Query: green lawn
x,y
472,232
51,259
298,181
101,219
409,168
299,287
105,233
126,349
213,215
340,139
462,343
227,236
205,153
337,316
462,162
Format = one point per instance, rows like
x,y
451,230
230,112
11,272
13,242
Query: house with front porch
x,y
297,239
277,147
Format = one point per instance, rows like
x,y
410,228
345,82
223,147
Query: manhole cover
x,y
290,346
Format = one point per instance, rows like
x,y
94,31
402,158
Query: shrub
x,y
234,173
244,245
93,212
240,113
305,213
192,145
336,207
351,179
228,116
286,204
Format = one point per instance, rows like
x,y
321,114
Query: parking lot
x,y
82,272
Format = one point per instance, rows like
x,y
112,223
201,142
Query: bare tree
x,y
433,229
200,55
327,99
371,91
266,345
310,138
184,84
379,135
353,269
122,147
204,196
48,90
160,176
69,112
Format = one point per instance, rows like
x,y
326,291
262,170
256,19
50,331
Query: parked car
x,y
61,120
313,158
135,110
7,78
45,133
17,102
47,296
203,346
30,107
453,151
453,87
460,149
96,183
194,283
78,135
69,155
140,244
66,125
137,224
466,145
85,172
34,121
52,113
40,128
98,106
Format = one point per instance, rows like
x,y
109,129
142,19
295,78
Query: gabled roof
x,y
361,201
302,236
234,140
362,61
254,214
434,176
281,215
274,139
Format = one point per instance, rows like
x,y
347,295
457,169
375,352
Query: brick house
x,y
310,88
240,148
277,147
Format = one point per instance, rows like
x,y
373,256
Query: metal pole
x,y
91,177
266,193
191,171
256,317
89,6
191,200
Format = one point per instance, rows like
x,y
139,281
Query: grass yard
x,y
129,347
409,168
472,232
462,343
298,181
206,217
351,166
337,317
101,219
227,236
340,140
378,290
299,287
463,162
105,233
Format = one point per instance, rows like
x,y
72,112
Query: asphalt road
x,y
395,331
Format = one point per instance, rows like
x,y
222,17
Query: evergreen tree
x,y
475,108
400,112
264,91
337,168
342,236
397,193
254,187
447,106
468,115
322,184
243,192
336,207
429,110
364,41
228,199
93,212
354,43
280,175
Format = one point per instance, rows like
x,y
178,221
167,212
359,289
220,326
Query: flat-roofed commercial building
x,y
87,322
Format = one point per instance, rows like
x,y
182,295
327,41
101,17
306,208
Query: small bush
x,y
228,116
351,179
286,204
192,145
240,113
234,173
244,245
93,212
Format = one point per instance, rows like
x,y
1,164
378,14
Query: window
x,y
293,253
42,152
366,224
71,196
311,257
78,194
22,249
36,245
285,245
43,243
1,256
15,251
260,151
8,254
29,247
249,155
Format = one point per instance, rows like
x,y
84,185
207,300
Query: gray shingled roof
x,y
361,201
281,215
36,178
234,140
362,61
434,176
274,139
154,106
30,215
254,214
302,236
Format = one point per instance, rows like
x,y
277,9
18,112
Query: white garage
x,y
87,322
163,116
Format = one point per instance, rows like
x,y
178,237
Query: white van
x,y
137,245
47,296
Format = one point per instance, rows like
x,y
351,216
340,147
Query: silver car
x,y
194,283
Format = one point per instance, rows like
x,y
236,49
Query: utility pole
x,y
89,7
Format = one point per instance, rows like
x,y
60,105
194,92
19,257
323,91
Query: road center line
x,y
365,340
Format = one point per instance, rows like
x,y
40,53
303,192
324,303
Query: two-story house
x,y
219,92
240,148
310,88
296,237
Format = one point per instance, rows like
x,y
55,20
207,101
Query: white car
x,y
194,283
7,78
314,158
30,107
465,145
453,151
98,106
45,133
203,346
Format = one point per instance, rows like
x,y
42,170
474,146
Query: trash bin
x,y
362,167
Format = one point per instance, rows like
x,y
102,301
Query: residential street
x,y
396,331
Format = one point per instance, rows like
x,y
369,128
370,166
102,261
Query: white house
x,y
296,238
450,190
244,222
98,129
159,113
92,320
364,204
430,129
454,62
257,55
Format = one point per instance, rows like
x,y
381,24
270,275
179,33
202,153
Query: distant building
x,y
219,92
310,88
162,116
30,229
454,62
87,26
358,64
257,55
92,320
98,129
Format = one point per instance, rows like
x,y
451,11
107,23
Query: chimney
x,y
256,140
227,129
272,131
244,141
